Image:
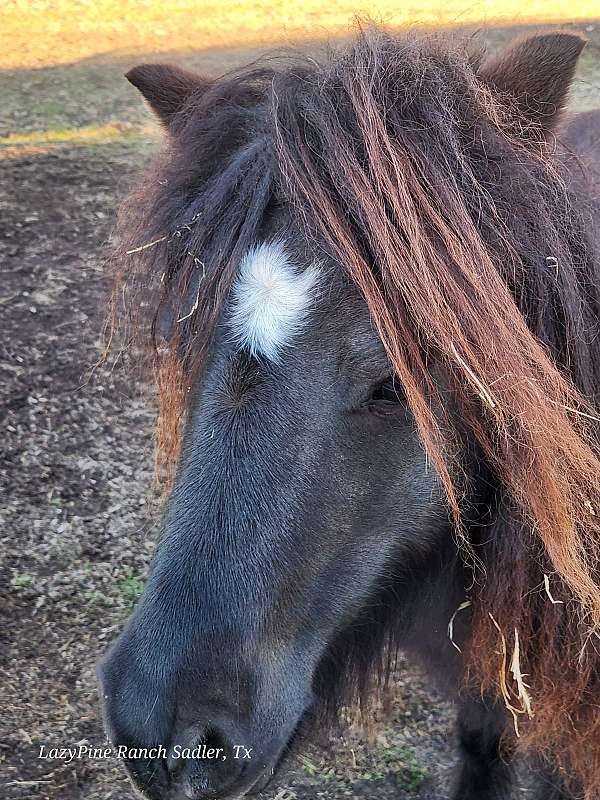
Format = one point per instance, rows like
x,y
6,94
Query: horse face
x,y
301,494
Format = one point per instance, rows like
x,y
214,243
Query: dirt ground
x,y
77,517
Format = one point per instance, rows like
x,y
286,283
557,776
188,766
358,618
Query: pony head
x,y
373,306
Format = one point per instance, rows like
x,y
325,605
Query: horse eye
x,y
387,395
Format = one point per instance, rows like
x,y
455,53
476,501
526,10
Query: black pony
x,y
372,295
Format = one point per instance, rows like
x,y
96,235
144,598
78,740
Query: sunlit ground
x,y
37,33
92,134
62,61
19,145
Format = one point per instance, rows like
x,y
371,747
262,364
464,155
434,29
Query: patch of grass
x,y
96,597
357,765
399,762
410,773
93,134
131,587
22,580
71,96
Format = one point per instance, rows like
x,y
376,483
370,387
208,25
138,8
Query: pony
x,y
368,286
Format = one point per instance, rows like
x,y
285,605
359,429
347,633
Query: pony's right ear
x,y
165,87
537,73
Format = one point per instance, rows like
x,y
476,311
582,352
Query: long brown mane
x,y
401,162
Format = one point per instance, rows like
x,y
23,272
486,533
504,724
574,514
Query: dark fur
x,y
535,74
169,87
307,535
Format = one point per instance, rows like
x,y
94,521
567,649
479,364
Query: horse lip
x,y
250,787
257,784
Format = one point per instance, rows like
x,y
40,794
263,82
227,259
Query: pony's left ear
x,y
536,73
166,87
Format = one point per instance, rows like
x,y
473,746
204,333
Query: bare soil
x,y
77,514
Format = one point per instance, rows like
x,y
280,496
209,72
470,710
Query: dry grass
x,y
48,32
91,134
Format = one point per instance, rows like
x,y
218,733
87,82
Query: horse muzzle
x,y
179,739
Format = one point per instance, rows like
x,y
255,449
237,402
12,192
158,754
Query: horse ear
x,y
536,73
165,87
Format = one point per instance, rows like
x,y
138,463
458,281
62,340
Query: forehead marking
x,y
270,300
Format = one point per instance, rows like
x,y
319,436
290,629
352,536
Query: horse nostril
x,y
194,745
202,762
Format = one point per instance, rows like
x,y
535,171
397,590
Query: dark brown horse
x,y
373,291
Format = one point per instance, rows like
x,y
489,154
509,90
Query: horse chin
x,y
250,788
253,787
260,782
269,773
